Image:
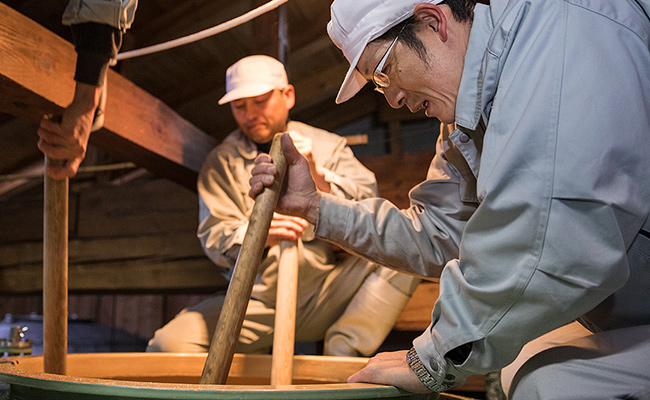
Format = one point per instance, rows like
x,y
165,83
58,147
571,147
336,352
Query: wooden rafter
x,y
36,78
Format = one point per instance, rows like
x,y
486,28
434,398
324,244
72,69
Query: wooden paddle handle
x,y
226,335
55,272
285,314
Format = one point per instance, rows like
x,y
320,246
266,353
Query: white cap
x,y
355,23
253,76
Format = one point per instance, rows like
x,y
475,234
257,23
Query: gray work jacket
x,y
535,210
116,13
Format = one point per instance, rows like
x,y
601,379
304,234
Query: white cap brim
x,y
352,83
250,90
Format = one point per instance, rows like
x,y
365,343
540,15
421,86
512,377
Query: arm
x,y
223,208
564,193
429,231
97,27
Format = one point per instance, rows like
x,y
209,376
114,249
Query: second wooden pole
x,y
284,331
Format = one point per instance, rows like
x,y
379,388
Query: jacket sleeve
x,y
418,240
97,28
116,13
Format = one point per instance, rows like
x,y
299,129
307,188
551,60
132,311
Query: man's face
x,y
261,117
431,83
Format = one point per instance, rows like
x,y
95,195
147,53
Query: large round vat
x,y
176,376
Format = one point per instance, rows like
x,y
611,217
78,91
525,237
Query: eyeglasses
x,y
379,78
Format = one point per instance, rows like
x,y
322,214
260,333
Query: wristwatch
x,y
422,373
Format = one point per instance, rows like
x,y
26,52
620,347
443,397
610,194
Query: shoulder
x,y
230,147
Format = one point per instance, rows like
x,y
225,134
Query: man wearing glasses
x,y
535,212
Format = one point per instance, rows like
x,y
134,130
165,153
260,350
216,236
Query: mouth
x,y
423,105
253,126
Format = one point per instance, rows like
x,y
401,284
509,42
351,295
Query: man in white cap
x,y
350,303
536,209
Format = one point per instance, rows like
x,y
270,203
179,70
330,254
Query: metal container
x,y
16,344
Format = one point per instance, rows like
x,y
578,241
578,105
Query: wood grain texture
x,y
284,331
55,273
36,78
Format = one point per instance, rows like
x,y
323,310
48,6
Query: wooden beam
x,y
194,274
36,78
265,32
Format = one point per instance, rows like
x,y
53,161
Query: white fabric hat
x,y
253,76
355,23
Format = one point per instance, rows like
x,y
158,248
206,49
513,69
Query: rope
x,y
271,5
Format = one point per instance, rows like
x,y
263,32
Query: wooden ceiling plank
x,y
36,78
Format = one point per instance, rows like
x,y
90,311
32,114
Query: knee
x,y
186,333
541,377
163,341
156,345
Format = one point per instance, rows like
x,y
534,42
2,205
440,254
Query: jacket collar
x,y
245,146
470,92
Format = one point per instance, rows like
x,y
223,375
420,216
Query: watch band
x,y
422,373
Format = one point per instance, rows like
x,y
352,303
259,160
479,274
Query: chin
x,y
446,118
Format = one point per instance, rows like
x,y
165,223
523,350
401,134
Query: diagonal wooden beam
x,y
36,78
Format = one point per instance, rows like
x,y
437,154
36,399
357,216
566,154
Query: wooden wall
x,y
134,260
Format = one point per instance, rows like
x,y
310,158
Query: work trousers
x,y
356,308
573,363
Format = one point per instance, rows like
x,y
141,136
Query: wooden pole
x,y
285,314
231,319
55,273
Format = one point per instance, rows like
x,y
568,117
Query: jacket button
x,y
464,138
434,365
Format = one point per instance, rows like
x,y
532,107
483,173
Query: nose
x,y
395,97
250,111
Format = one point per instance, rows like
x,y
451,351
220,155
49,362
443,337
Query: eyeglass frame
x,y
384,80
378,73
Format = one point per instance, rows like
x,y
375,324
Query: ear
x,y
432,15
289,96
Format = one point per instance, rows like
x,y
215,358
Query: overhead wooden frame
x,y
37,78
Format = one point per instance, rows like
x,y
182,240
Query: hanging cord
x,y
271,5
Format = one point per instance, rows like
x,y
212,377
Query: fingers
x,y
53,150
50,132
262,174
295,220
58,144
47,124
390,369
287,223
69,170
277,235
291,153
